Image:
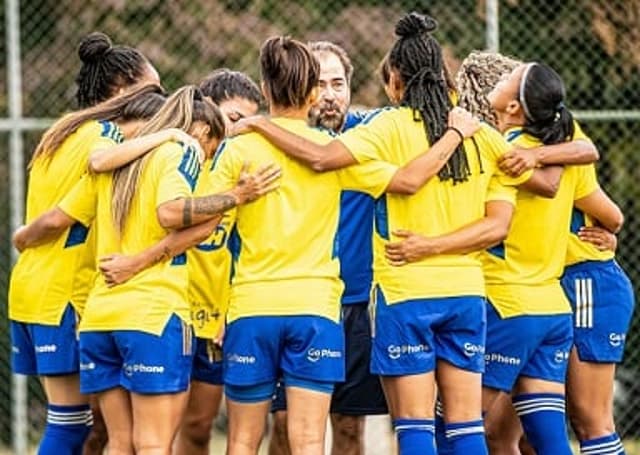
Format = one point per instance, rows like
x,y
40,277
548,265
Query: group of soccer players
x,y
321,256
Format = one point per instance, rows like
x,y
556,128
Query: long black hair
x,y
542,97
417,57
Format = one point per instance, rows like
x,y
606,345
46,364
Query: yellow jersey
x,y
209,265
579,251
48,277
523,272
148,300
395,135
285,244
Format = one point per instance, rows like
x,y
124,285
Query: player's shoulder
x,y
101,128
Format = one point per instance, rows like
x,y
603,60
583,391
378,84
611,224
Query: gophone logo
x,y
87,366
15,349
46,348
616,339
471,349
395,352
237,358
561,356
132,369
315,354
500,358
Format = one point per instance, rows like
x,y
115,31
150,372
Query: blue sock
x,y
605,445
442,443
466,437
415,436
67,428
543,419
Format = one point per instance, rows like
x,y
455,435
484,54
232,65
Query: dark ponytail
x,y
105,69
542,96
417,57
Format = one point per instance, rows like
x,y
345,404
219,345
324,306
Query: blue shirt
x,y
355,232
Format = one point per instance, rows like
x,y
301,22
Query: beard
x,y
328,115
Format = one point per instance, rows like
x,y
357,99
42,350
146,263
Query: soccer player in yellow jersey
x,y
208,262
135,339
430,312
49,284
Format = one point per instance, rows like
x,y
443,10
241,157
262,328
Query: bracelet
x,y
457,131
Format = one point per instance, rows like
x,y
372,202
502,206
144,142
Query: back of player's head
x,y
318,47
139,103
416,58
106,69
479,73
224,84
289,71
542,97
183,110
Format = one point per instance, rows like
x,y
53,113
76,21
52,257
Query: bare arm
x,y
416,173
544,182
118,268
519,160
484,233
600,207
46,227
185,212
110,158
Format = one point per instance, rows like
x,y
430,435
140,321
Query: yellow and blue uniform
x,y
600,293
138,334
285,248
526,301
209,266
49,283
407,342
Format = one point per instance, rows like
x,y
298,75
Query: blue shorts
x,y
411,336
45,350
138,361
361,393
207,362
261,349
529,345
602,299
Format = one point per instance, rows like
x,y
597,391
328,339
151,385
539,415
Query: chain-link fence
x,y
592,43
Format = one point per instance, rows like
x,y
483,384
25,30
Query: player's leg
x,y
539,395
348,434
205,394
251,366
312,362
157,372
502,426
98,437
460,347
279,440
404,355
115,405
53,355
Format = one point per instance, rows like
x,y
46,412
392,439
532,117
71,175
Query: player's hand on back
x,y
245,125
178,135
463,121
517,161
251,186
600,237
118,268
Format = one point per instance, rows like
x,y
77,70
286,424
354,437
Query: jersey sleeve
x,y
499,192
178,173
226,168
107,134
371,138
587,181
81,202
371,177
578,134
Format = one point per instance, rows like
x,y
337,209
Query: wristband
x,y
457,131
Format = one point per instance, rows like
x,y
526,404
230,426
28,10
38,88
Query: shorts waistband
x,y
590,265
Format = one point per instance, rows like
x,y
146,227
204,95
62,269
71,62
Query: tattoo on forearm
x,y
215,204
186,213
165,255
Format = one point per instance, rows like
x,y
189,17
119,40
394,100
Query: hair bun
x,y
415,24
94,46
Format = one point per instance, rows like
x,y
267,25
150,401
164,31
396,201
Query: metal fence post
x,y
493,26
19,430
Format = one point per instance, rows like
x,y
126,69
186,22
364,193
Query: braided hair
x,y
106,68
417,58
479,73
